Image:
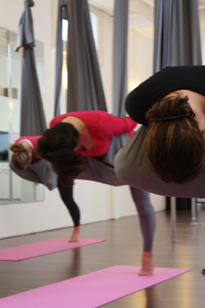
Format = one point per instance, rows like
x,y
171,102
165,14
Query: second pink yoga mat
x,y
91,290
43,248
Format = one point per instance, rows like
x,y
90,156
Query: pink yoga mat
x,y
43,248
91,290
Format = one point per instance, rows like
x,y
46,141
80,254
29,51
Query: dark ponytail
x,y
57,145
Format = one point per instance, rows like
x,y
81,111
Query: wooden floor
x,y
123,247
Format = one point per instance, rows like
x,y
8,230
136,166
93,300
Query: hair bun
x,y
16,147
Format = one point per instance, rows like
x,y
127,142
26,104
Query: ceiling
x,y
108,5
201,3
140,11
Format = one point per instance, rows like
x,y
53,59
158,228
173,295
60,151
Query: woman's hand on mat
x,y
75,235
147,264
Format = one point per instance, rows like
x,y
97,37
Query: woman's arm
x,y
117,126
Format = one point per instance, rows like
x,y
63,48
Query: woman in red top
x,y
89,133
95,128
77,134
23,157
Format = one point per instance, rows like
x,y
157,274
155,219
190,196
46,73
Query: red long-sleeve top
x,y
102,127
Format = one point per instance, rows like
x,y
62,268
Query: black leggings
x,y
66,194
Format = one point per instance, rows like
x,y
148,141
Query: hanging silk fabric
x,y
85,90
32,114
177,34
119,73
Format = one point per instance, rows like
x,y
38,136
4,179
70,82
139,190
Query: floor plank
x,y
123,247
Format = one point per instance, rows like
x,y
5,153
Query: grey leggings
x,y
146,216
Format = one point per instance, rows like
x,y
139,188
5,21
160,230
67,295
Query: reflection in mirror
x,y
12,187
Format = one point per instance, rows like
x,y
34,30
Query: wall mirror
x,y
14,189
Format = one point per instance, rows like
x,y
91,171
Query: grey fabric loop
x,y
97,171
39,172
132,166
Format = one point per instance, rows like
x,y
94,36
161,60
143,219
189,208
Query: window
x,y
94,24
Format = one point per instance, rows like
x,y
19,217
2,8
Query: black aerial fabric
x,y
32,114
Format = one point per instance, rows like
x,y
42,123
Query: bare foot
x,y
147,264
75,235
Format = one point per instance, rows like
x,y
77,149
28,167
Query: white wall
x,y
97,201
140,57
